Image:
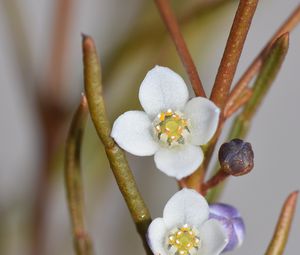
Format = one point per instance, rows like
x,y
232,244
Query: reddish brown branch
x,y
252,70
61,28
233,50
52,114
172,25
238,103
214,181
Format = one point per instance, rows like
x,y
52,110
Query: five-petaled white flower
x,y
171,128
185,228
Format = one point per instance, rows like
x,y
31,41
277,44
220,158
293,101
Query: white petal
x,y
186,207
204,118
162,89
156,236
132,131
179,162
213,238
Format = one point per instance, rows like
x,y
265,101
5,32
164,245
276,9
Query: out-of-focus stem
x,y
73,180
233,50
281,234
252,70
115,155
61,27
52,113
264,80
172,25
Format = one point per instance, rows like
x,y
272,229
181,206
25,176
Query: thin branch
x,y
52,114
252,70
238,104
262,85
73,180
115,155
281,234
233,50
219,177
172,25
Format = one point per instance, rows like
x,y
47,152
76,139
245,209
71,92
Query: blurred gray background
x,y
274,134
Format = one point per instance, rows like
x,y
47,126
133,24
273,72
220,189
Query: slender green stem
x,y
115,155
73,180
262,85
233,50
281,234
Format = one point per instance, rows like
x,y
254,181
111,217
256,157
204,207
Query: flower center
x,y
171,128
183,241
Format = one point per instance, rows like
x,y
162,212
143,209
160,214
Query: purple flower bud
x,y
231,221
236,157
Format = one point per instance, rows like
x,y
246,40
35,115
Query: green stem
x,y
115,155
281,234
73,180
262,85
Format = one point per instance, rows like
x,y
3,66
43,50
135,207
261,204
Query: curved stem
x,y
115,155
73,180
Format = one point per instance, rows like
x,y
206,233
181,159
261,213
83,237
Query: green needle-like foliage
x,y
281,234
73,180
115,155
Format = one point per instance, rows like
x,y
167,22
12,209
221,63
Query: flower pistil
x,y
171,128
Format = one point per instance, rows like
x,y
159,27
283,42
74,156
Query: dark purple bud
x,y
236,157
232,222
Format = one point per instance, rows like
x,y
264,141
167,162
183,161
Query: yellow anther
x,y
171,128
183,240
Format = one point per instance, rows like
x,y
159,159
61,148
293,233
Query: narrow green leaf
x,y
73,180
115,155
262,85
281,234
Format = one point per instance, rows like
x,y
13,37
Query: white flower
x,y
171,128
185,228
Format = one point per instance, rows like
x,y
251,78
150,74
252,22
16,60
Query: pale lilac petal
x,y
213,238
240,230
162,89
224,210
132,132
186,207
232,222
204,118
179,162
156,236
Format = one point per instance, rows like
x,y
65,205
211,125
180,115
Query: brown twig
x,y
233,50
172,25
61,28
214,181
252,70
239,103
